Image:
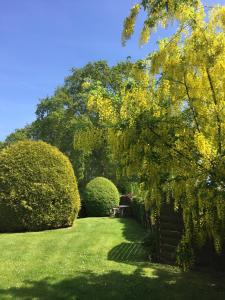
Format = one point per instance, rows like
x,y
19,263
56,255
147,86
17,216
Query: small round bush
x,y
100,196
38,188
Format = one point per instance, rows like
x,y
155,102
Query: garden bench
x,y
120,210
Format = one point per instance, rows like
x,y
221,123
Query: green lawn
x,y
99,258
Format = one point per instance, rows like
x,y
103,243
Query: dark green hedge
x,y
100,196
139,212
38,188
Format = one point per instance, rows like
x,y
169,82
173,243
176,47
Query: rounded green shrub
x,y
38,188
100,196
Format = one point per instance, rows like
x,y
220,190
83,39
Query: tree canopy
x,y
64,120
168,125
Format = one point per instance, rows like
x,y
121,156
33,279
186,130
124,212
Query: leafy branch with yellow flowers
x,y
167,124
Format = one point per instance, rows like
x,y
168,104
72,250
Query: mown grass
x,y
99,258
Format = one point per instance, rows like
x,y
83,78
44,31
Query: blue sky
x,y
41,40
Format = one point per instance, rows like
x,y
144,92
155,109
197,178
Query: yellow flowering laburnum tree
x,y
167,126
159,13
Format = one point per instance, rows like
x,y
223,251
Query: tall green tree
x,y
65,115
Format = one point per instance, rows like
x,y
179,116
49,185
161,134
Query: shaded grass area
x,y
99,258
128,252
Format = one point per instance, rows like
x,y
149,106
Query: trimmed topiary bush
x,y
100,196
38,188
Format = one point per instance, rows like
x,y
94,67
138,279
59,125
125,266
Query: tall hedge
x,y
100,196
38,188
139,212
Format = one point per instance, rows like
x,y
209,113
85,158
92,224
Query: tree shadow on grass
x,y
128,253
158,284
132,251
132,230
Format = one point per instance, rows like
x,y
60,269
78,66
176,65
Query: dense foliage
x,y
38,189
100,196
64,116
139,211
17,135
168,128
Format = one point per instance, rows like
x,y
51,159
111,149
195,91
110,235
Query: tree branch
x,y
217,114
191,104
170,146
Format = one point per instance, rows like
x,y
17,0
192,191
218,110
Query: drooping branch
x,y
170,146
187,159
